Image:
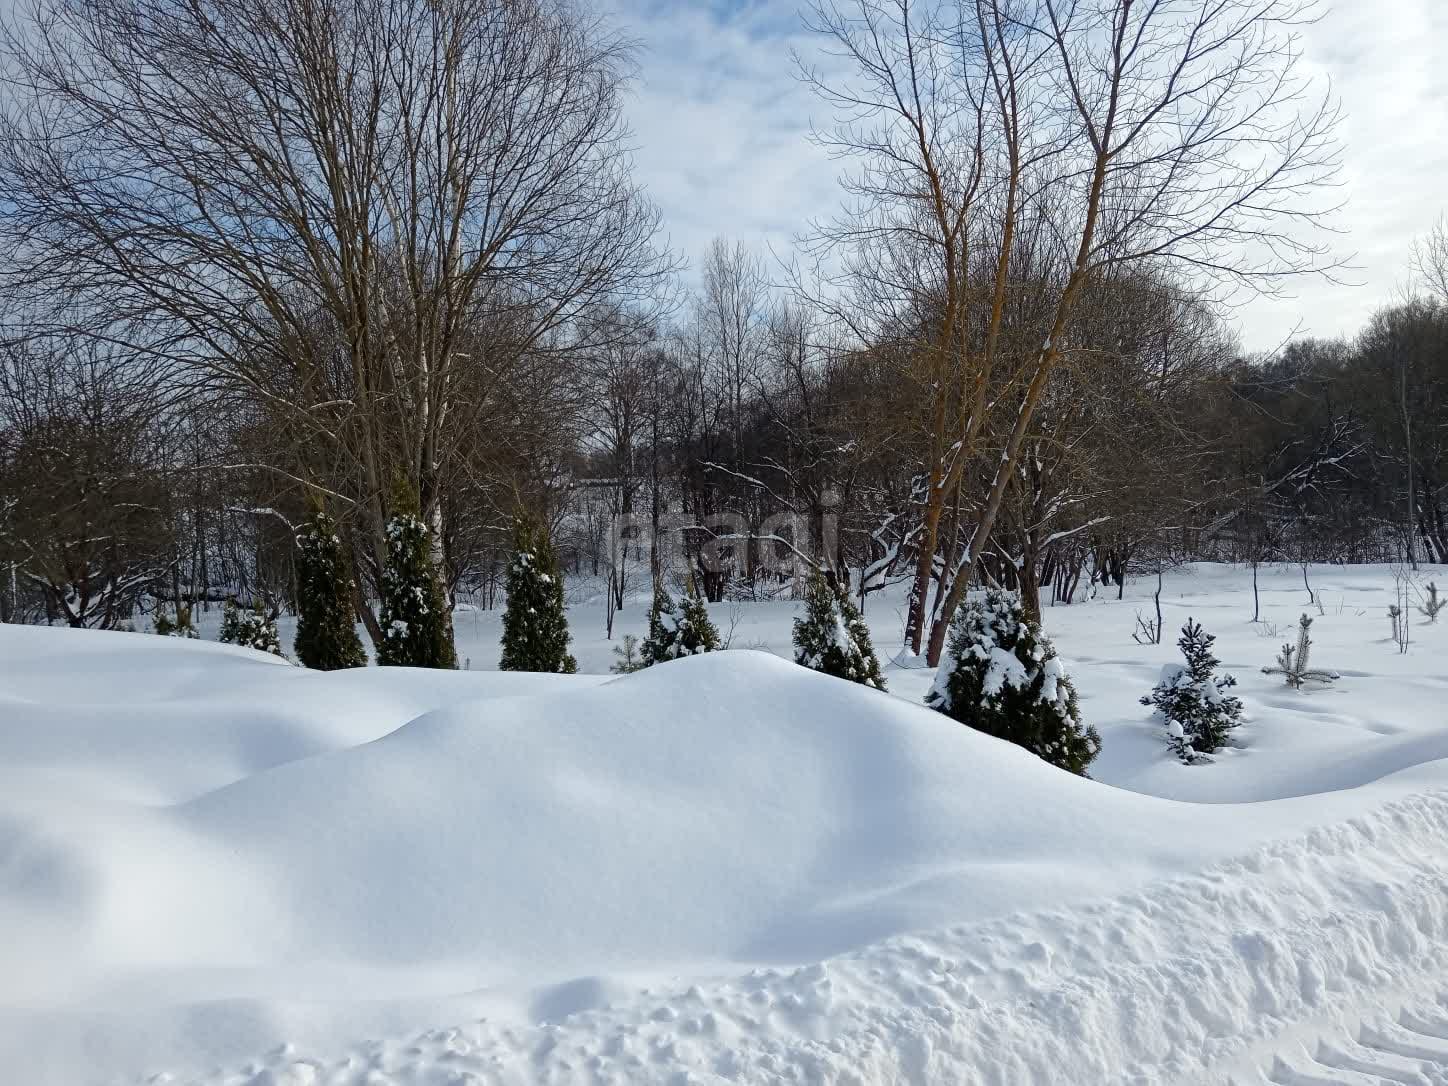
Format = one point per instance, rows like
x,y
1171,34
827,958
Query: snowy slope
x,y
727,868
1312,962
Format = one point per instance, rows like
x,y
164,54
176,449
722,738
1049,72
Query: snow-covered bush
x,y
535,625
696,630
415,627
1191,700
687,631
663,621
180,626
230,620
1000,674
831,636
326,630
249,629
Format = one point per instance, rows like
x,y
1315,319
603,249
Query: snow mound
x,y
723,808
205,855
157,720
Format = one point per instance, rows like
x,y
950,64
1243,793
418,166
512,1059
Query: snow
x,y
1004,670
728,868
1053,669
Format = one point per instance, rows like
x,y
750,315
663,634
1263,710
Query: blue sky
x,y
721,128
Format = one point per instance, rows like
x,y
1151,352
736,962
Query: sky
x,y
721,126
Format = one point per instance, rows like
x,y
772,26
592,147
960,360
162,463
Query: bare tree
x,y
362,216
731,312
625,373
1430,260
85,517
1073,137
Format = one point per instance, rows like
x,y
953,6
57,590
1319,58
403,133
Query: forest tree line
x,y
264,260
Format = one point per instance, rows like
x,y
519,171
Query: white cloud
x,y
722,127
1384,59
722,124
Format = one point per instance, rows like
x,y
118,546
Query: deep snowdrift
x,y
726,809
205,854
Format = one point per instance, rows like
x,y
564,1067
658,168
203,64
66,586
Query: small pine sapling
x,y
1191,701
1432,603
626,657
1286,664
1000,675
535,624
1292,660
831,637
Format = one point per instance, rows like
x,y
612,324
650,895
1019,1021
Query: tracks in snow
x,y
1316,961
1406,1049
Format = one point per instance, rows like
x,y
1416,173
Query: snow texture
x,y
218,869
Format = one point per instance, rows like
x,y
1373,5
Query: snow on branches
x,y
1191,698
416,629
535,625
831,637
1001,675
673,633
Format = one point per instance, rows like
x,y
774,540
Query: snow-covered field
x,y
218,869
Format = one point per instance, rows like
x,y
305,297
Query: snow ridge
x,y
1202,979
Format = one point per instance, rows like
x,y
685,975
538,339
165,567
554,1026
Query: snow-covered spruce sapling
x,y
326,629
676,632
1191,698
831,637
414,618
180,626
535,624
1000,674
1292,660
